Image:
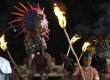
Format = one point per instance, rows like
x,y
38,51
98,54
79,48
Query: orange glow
x,y
60,16
75,38
3,44
86,44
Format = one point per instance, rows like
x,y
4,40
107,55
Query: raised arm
x,y
76,73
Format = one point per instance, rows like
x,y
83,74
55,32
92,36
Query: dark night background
x,y
89,18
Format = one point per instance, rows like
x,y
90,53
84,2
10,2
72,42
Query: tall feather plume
x,y
16,20
20,32
17,14
23,6
30,6
19,9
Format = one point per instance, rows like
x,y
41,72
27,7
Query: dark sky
x,y
89,18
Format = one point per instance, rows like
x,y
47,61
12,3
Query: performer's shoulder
x,y
94,69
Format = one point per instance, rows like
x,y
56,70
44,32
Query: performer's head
x,y
87,58
107,66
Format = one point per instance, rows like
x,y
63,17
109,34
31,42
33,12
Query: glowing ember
x,y
60,15
86,44
75,38
3,44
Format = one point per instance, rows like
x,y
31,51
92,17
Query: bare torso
x,y
90,74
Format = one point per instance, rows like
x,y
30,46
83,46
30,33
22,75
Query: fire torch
x,y
3,46
62,23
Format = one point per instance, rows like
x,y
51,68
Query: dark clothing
x,y
40,63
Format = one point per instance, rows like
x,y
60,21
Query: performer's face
x,y
108,67
87,61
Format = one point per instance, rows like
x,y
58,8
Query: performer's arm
x,y
96,75
76,73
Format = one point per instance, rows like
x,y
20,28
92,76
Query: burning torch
x,y
84,47
73,40
3,45
62,23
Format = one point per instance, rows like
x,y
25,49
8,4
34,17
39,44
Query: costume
x,y
33,23
5,69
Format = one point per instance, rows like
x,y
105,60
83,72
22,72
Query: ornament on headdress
x,y
30,20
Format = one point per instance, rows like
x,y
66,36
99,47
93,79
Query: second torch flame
x,y
60,15
84,47
86,44
3,44
75,38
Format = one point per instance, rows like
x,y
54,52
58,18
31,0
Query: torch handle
x,y
80,56
74,53
68,51
14,64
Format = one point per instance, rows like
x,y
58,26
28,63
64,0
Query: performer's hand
x,y
75,64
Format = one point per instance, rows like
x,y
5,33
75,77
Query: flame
x,y
75,38
3,44
86,44
92,49
60,16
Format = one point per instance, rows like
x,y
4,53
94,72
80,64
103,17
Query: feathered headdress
x,y
29,19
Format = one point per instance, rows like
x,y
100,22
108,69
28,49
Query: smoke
x,y
84,30
104,8
100,28
103,26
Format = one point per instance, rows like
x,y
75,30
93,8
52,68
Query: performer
x,y
90,72
5,69
40,60
106,75
32,21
